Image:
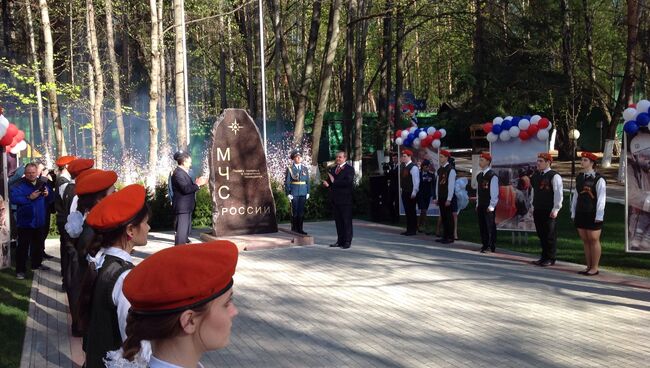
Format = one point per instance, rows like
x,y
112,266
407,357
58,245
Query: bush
x,y
282,205
202,216
162,216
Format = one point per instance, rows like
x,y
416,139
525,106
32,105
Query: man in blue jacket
x,y
31,197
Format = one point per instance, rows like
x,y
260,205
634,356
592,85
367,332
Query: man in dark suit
x,y
184,199
340,181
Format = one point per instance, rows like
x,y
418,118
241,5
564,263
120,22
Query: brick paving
x,y
393,301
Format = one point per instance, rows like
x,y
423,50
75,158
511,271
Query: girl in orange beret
x,y
120,224
181,302
588,210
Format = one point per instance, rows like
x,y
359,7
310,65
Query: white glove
x,y
290,197
307,195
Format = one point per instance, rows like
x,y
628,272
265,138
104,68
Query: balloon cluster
x,y
522,127
636,116
12,138
419,137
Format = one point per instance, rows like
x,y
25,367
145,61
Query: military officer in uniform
x,y
296,185
487,198
445,197
547,201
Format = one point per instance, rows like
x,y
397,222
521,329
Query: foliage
x,y
162,217
14,305
282,204
202,216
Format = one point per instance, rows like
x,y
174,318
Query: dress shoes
x,y
447,241
407,233
584,272
493,249
591,274
335,245
548,262
345,246
484,250
301,232
538,262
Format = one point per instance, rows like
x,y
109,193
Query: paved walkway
x,y
392,301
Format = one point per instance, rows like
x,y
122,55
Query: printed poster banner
x,y
420,155
637,192
514,161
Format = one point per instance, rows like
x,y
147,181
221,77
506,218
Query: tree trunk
x,y
244,22
51,80
348,82
308,70
399,69
37,74
153,95
164,140
99,85
383,139
359,97
115,72
326,77
479,52
179,77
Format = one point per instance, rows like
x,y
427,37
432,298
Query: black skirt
x,y
587,221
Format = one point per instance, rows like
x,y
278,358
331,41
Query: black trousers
x,y
546,228
183,225
66,243
447,216
298,206
487,226
411,214
32,241
343,219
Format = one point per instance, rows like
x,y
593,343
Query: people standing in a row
x,y
120,222
340,182
445,197
425,192
547,202
62,180
410,181
32,198
486,202
588,210
184,197
296,186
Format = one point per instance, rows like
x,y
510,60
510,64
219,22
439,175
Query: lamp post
x,y
574,134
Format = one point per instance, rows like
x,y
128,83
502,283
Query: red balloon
x,y
632,106
398,133
437,135
11,145
12,130
426,141
487,127
533,129
543,123
6,140
20,136
524,135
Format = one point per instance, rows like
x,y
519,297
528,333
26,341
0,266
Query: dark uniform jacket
x,y
184,192
341,189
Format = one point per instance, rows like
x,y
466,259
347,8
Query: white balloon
x,y
405,133
505,135
491,137
431,130
548,128
399,141
3,131
435,143
422,135
524,124
443,132
535,119
22,145
542,135
15,150
412,129
416,142
508,118
498,120
4,122
514,132
642,106
629,114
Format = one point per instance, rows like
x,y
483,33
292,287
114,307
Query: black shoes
x,y
447,241
407,233
546,263
592,274
342,246
335,245
484,249
345,246
47,256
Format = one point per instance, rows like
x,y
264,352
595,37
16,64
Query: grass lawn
x,y
569,244
14,304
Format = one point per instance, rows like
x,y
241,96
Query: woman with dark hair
x,y
120,224
181,302
90,186
588,209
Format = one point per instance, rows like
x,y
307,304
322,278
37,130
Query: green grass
x,y
14,304
569,245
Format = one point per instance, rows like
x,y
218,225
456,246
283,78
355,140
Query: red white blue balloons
x,y
636,116
11,137
522,127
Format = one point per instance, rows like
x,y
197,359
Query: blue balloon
x,y
507,124
631,127
527,117
515,121
496,129
643,119
411,137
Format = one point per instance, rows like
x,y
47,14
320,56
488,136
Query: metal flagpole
x,y
185,76
262,71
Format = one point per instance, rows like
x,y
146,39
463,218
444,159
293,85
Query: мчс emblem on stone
x,y
234,127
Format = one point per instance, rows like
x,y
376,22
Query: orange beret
x,y
181,277
487,156
445,153
546,156
589,155
407,152
118,208
64,160
95,181
77,166
84,173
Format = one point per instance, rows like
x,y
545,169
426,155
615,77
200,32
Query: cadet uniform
x,y
445,184
486,202
296,185
547,200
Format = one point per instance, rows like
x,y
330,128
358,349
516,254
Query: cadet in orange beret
x,y
487,195
91,186
75,168
547,201
120,224
410,182
445,197
588,210
181,301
